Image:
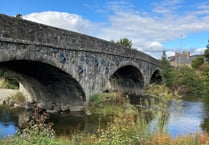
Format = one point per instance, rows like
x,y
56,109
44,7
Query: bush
x,y
8,81
36,132
33,134
188,81
18,97
108,103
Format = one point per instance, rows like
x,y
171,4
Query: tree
x,y
206,67
19,16
207,52
197,62
166,70
187,80
125,42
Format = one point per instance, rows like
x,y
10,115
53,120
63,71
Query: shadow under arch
x,y
156,77
46,83
126,78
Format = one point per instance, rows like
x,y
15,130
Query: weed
x,y
18,97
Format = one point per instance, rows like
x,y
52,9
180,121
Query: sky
x,y
153,26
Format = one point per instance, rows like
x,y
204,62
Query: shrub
x,y
18,97
36,132
188,80
7,80
108,103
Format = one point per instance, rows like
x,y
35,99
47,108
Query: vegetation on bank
x,y
8,81
18,98
127,125
184,79
188,80
108,103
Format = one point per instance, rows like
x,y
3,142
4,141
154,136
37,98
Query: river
x,y
192,116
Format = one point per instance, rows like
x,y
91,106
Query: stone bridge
x,y
65,68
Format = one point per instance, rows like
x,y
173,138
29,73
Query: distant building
x,y
182,59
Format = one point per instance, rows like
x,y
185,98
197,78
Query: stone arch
x,y
126,78
46,83
156,77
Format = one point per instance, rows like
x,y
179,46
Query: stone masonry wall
x,y
88,62
27,31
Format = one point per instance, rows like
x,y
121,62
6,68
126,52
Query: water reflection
x,y
66,124
186,120
8,122
193,116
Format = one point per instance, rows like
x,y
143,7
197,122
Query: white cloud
x,y
63,20
166,7
147,31
198,51
160,29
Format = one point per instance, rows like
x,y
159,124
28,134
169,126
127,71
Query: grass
x,y
18,97
2,82
9,84
108,103
127,127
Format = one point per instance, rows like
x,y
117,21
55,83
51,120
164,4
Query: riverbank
x,y
6,93
126,126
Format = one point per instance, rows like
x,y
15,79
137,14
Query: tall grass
x,y
36,132
125,128
128,129
109,103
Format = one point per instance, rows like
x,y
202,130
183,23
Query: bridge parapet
x,y
17,30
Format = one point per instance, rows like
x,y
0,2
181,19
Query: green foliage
x,y
187,80
19,16
124,42
184,79
128,128
8,81
205,69
206,54
197,62
108,103
98,98
167,72
18,97
36,129
36,132
160,97
123,129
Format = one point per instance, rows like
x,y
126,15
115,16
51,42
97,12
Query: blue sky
x,y
152,25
